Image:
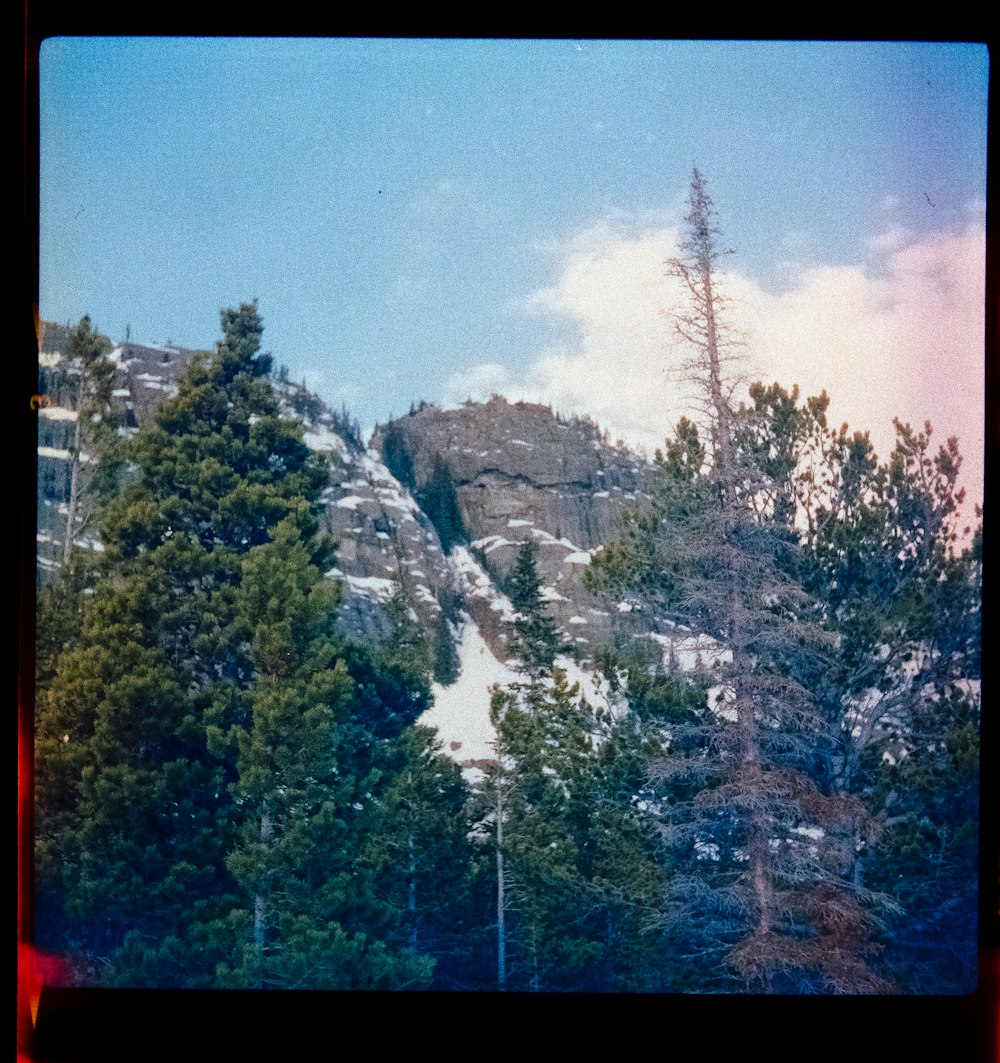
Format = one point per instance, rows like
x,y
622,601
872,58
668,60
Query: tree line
x,y
232,794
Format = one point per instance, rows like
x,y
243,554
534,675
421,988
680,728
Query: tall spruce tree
x,y
896,575
422,861
299,794
536,640
203,751
902,586
134,815
767,853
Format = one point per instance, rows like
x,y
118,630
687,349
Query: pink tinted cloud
x,y
906,341
901,336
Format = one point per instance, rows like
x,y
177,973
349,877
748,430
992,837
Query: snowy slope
x,y
461,712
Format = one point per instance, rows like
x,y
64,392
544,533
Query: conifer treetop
x,y
703,327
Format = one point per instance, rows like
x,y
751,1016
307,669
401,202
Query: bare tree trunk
x,y
721,420
74,494
501,899
260,906
702,327
411,900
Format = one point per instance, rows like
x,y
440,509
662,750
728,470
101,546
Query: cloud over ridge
x,y
901,335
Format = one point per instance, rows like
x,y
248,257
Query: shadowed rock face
x,y
519,442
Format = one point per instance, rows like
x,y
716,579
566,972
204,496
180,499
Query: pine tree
x,y
293,791
738,797
419,852
899,585
536,640
83,383
131,806
203,749
445,654
525,717
902,587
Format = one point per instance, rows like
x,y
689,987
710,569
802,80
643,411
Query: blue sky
x,y
436,219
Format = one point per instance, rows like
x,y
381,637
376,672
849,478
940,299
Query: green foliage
x,y
741,788
419,853
404,659
206,748
536,640
901,585
888,752
438,499
84,379
84,382
581,876
229,795
574,858
921,777
445,654
58,616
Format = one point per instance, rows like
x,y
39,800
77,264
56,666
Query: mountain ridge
x,y
436,507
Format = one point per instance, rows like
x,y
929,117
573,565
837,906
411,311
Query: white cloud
x,y
901,336
478,383
611,288
890,240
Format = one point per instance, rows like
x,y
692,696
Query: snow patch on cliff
x,y
473,581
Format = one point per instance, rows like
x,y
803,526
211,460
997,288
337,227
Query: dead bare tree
x,y
768,851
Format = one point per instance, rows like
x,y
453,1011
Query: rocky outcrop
x,y
520,473
435,509
385,545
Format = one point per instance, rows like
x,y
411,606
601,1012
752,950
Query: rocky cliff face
x,y
386,544
512,473
521,474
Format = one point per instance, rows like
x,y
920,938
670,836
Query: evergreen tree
x,y
296,781
538,885
439,501
903,588
536,640
203,749
575,873
899,581
83,382
445,654
419,852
